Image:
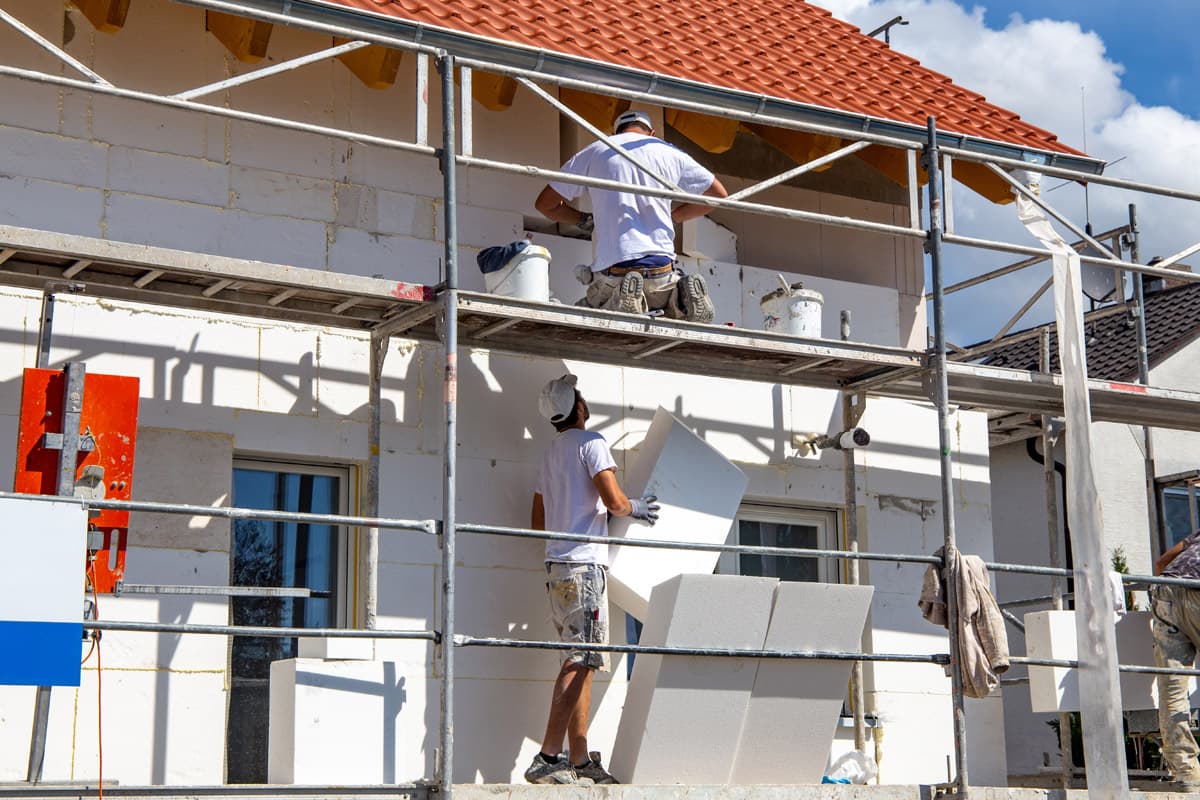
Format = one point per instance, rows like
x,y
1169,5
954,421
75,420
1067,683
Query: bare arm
x,y
1167,557
537,516
610,493
553,206
686,211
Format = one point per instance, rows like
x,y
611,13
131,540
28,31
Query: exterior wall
x,y
215,386
1019,511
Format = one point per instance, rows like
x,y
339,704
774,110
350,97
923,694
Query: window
x,y
780,526
278,554
1180,507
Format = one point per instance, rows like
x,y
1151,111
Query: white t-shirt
x,y
630,225
572,503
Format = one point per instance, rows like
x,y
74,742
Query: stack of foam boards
x,y
1051,634
336,687
706,720
699,491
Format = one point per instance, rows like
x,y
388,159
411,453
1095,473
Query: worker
x,y
576,492
1176,631
634,269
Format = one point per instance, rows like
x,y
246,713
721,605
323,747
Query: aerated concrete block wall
x,y
216,387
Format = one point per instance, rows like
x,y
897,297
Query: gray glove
x,y
587,222
583,274
645,508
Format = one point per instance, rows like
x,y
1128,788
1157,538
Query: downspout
x,y
1061,469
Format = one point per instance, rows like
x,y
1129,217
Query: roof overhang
x,y
648,85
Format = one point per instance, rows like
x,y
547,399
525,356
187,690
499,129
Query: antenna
x,y
1087,200
886,28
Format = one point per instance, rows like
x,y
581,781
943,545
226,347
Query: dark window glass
x,y
778,534
275,554
1177,520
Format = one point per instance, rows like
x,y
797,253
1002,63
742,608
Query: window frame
x,y
827,521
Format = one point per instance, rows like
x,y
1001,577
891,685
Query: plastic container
x,y
793,310
527,276
852,767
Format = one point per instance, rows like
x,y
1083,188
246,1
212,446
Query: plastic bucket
x,y
527,276
795,311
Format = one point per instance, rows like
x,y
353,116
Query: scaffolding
x,y
456,319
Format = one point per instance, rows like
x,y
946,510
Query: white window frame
x,y
825,520
344,590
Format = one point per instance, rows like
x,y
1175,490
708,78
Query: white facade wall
x,y
1021,530
214,387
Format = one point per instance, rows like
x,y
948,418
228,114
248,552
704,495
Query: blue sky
x,y
1155,40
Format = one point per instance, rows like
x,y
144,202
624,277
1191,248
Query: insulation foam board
x,y
314,702
795,705
699,491
1051,634
683,715
340,648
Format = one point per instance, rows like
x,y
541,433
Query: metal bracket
x,y
54,441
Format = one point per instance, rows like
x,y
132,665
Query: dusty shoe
x,y
1186,783
559,771
693,296
594,770
630,294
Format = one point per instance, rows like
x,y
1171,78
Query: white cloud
x,y
1050,72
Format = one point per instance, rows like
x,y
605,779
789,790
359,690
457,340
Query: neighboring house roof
x,y
1172,322
788,50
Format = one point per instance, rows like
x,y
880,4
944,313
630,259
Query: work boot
x,y
559,771
594,770
631,298
693,297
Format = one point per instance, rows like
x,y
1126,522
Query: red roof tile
x,y
787,49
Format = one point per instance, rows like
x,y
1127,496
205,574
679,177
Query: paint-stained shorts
x,y
579,609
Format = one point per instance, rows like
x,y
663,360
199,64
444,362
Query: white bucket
x,y
795,311
527,276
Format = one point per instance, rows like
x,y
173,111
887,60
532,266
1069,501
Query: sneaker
x,y
693,296
594,770
558,771
631,297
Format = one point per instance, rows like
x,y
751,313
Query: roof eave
x,y
305,13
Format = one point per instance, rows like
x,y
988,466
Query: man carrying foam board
x,y
635,270
576,491
1176,638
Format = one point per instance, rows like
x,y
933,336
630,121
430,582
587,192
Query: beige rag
x,y
982,639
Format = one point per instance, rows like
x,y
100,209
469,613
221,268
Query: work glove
x,y
587,223
645,508
583,274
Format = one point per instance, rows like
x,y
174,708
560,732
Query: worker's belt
x,y
649,272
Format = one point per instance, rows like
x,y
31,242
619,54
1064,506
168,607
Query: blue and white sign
x,y
42,592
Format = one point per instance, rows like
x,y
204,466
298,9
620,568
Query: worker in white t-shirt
x,y
576,492
635,270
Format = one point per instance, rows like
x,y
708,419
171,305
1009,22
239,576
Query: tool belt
x,y
649,272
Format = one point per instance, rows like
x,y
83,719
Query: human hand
x,y
645,508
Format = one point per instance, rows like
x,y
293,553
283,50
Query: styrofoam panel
x,y
159,728
335,648
684,714
315,702
707,239
795,705
987,752
1051,634
699,491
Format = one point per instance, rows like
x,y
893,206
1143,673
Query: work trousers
x,y
1176,633
661,292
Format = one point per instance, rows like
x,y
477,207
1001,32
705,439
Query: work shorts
x,y
579,609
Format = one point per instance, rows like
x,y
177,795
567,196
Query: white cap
x,y
640,117
557,400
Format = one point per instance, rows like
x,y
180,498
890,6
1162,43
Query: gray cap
x,y
557,400
640,117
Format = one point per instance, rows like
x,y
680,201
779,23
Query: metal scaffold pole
x,y
851,413
941,400
1157,533
450,394
378,353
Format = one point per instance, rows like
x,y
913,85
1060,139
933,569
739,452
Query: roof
x,y
792,51
1172,321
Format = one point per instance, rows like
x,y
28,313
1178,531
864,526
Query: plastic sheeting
x,y
1099,689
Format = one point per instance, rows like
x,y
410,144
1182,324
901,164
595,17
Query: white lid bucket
x,y
527,276
793,310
